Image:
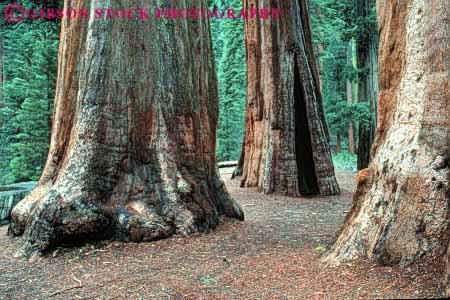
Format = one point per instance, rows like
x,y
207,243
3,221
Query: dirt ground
x,y
272,255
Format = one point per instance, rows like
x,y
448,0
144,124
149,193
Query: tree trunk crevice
x,y
283,154
307,179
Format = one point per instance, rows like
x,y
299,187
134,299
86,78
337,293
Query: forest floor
x,y
274,254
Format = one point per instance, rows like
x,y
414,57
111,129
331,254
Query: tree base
x,y
47,219
397,216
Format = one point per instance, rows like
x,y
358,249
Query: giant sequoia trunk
x,y
367,61
401,207
132,153
285,146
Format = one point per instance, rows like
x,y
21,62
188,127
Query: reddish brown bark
x,y
401,207
132,153
286,145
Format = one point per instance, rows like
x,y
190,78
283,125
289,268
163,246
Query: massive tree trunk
x,y
401,209
286,144
367,60
132,153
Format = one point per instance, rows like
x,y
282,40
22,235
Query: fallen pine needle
x,y
65,290
219,285
77,280
69,288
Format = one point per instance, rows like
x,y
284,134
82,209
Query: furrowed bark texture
x,y
286,144
401,206
132,153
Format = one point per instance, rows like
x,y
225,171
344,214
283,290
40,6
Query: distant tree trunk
x,y
50,97
286,142
401,206
132,153
319,47
372,83
351,135
1,74
367,59
338,143
320,53
364,145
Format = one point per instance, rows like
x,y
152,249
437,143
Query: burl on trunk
x,y
132,153
286,145
401,207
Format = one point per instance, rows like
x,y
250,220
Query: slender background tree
x,y
367,61
345,40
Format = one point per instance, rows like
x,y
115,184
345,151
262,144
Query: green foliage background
x,y
29,71
229,52
30,58
337,29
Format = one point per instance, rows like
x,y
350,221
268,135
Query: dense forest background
x,y
345,42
